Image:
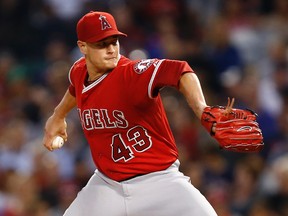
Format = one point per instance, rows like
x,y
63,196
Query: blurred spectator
x,y
222,54
14,152
271,82
274,184
245,184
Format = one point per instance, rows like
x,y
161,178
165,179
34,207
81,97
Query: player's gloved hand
x,y
234,129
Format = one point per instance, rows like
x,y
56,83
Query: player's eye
x,y
114,43
101,45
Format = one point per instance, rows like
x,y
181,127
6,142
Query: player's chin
x,y
109,68
111,64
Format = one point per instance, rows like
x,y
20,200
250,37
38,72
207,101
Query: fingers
x,y
65,136
47,140
229,106
54,127
47,143
213,129
232,103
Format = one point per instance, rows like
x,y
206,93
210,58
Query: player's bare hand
x,y
54,126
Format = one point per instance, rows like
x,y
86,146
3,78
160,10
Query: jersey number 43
x,y
139,141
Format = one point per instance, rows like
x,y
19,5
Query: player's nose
x,y
111,48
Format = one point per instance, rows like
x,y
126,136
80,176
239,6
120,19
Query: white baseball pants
x,y
163,193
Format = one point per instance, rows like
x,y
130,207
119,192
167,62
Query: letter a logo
x,y
104,23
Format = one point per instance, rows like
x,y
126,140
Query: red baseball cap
x,y
95,26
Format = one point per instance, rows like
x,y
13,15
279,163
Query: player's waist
x,y
139,177
173,167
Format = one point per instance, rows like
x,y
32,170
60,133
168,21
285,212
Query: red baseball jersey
x,y
123,117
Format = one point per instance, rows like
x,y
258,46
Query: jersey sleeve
x,y
72,76
167,73
71,90
71,87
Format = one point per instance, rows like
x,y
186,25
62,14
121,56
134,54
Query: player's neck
x,y
94,77
94,73
91,78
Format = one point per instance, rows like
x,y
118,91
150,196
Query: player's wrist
x,y
59,114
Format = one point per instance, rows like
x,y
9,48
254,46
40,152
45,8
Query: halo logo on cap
x,y
95,26
104,23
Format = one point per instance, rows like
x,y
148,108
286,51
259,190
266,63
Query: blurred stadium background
x,y
238,48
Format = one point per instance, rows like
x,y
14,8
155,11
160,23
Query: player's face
x,y
104,55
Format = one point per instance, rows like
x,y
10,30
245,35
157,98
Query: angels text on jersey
x,y
137,137
92,119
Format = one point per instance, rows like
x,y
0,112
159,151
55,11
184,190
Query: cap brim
x,y
105,35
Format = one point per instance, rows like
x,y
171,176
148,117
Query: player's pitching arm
x,y
56,124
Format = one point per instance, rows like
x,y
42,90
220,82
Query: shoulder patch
x,y
141,66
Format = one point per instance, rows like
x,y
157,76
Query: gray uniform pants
x,y
163,193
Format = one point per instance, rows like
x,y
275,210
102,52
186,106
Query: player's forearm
x,y
67,103
190,87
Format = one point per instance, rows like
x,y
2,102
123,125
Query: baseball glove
x,y
234,129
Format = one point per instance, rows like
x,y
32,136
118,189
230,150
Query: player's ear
x,y
82,46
